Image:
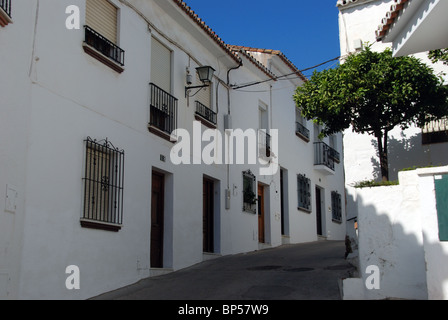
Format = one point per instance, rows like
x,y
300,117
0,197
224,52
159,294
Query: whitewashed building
x,y
93,197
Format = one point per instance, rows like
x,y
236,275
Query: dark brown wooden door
x,y
208,213
319,211
261,237
157,219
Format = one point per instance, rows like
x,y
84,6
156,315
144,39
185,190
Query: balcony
x,y
163,112
324,158
103,50
435,131
206,115
5,12
302,132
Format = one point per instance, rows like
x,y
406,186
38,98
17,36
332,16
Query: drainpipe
x,y
228,122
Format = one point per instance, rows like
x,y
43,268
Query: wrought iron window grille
x,y
103,185
336,206
249,195
304,192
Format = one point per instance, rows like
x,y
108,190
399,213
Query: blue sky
x,y
306,31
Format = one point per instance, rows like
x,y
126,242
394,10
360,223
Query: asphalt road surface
x,y
309,271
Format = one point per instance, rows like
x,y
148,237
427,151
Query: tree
x,y
439,55
373,93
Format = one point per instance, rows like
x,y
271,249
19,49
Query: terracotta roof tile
x,y
389,19
206,28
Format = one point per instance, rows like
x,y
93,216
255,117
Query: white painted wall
x,y
398,232
55,96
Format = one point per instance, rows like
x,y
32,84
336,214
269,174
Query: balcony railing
x,y
104,46
206,113
323,155
303,131
6,6
335,155
163,110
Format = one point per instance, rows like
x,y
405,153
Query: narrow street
x,y
293,272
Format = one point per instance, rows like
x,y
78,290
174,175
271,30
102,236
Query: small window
x,y
103,186
336,205
249,195
435,132
304,193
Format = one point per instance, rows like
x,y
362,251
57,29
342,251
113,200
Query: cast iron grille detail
x,y
301,129
106,47
249,196
336,205
163,110
323,155
103,185
6,6
206,113
304,192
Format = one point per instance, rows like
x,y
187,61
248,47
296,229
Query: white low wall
x,y
398,234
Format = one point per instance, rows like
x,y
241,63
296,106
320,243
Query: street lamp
x,y
205,75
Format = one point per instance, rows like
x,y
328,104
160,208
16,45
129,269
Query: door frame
x,y
156,260
261,213
208,215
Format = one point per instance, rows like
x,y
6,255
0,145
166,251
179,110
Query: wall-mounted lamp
x,y
205,75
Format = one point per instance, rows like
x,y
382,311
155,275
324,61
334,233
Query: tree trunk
x,y
382,150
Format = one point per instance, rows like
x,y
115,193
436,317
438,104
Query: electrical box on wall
x,y
227,122
227,199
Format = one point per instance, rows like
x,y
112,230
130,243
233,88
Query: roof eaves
x,y
277,53
258,64
389,20
181,4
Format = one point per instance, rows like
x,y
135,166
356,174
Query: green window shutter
x,y
441,184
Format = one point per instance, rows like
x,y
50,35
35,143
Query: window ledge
x,y
303,137
4,18
161,134
205,122
102,58
304,210
93,224
337,221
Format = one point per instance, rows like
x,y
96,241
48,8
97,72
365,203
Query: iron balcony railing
x,y
6,6
301,129
206,113
106,47
323,155
163,110
335,155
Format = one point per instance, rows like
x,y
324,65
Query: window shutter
x,y
102,16
160,65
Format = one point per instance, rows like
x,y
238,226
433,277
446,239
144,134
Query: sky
x,y
306,31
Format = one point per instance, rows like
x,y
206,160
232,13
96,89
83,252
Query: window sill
x,y
102,58
92,224
161,134
337,221
205,122
303,137
4,18
304,210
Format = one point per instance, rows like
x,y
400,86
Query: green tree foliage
x,y
373,93
439,55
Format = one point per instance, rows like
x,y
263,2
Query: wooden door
x,y
261,214
208,213
319,211
157,219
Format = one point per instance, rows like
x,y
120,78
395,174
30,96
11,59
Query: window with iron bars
x,y
304,192
103,186
336,205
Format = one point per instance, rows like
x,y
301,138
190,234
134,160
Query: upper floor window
x,y
204,105
101,33
435,131
161,65
5,12
301,129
